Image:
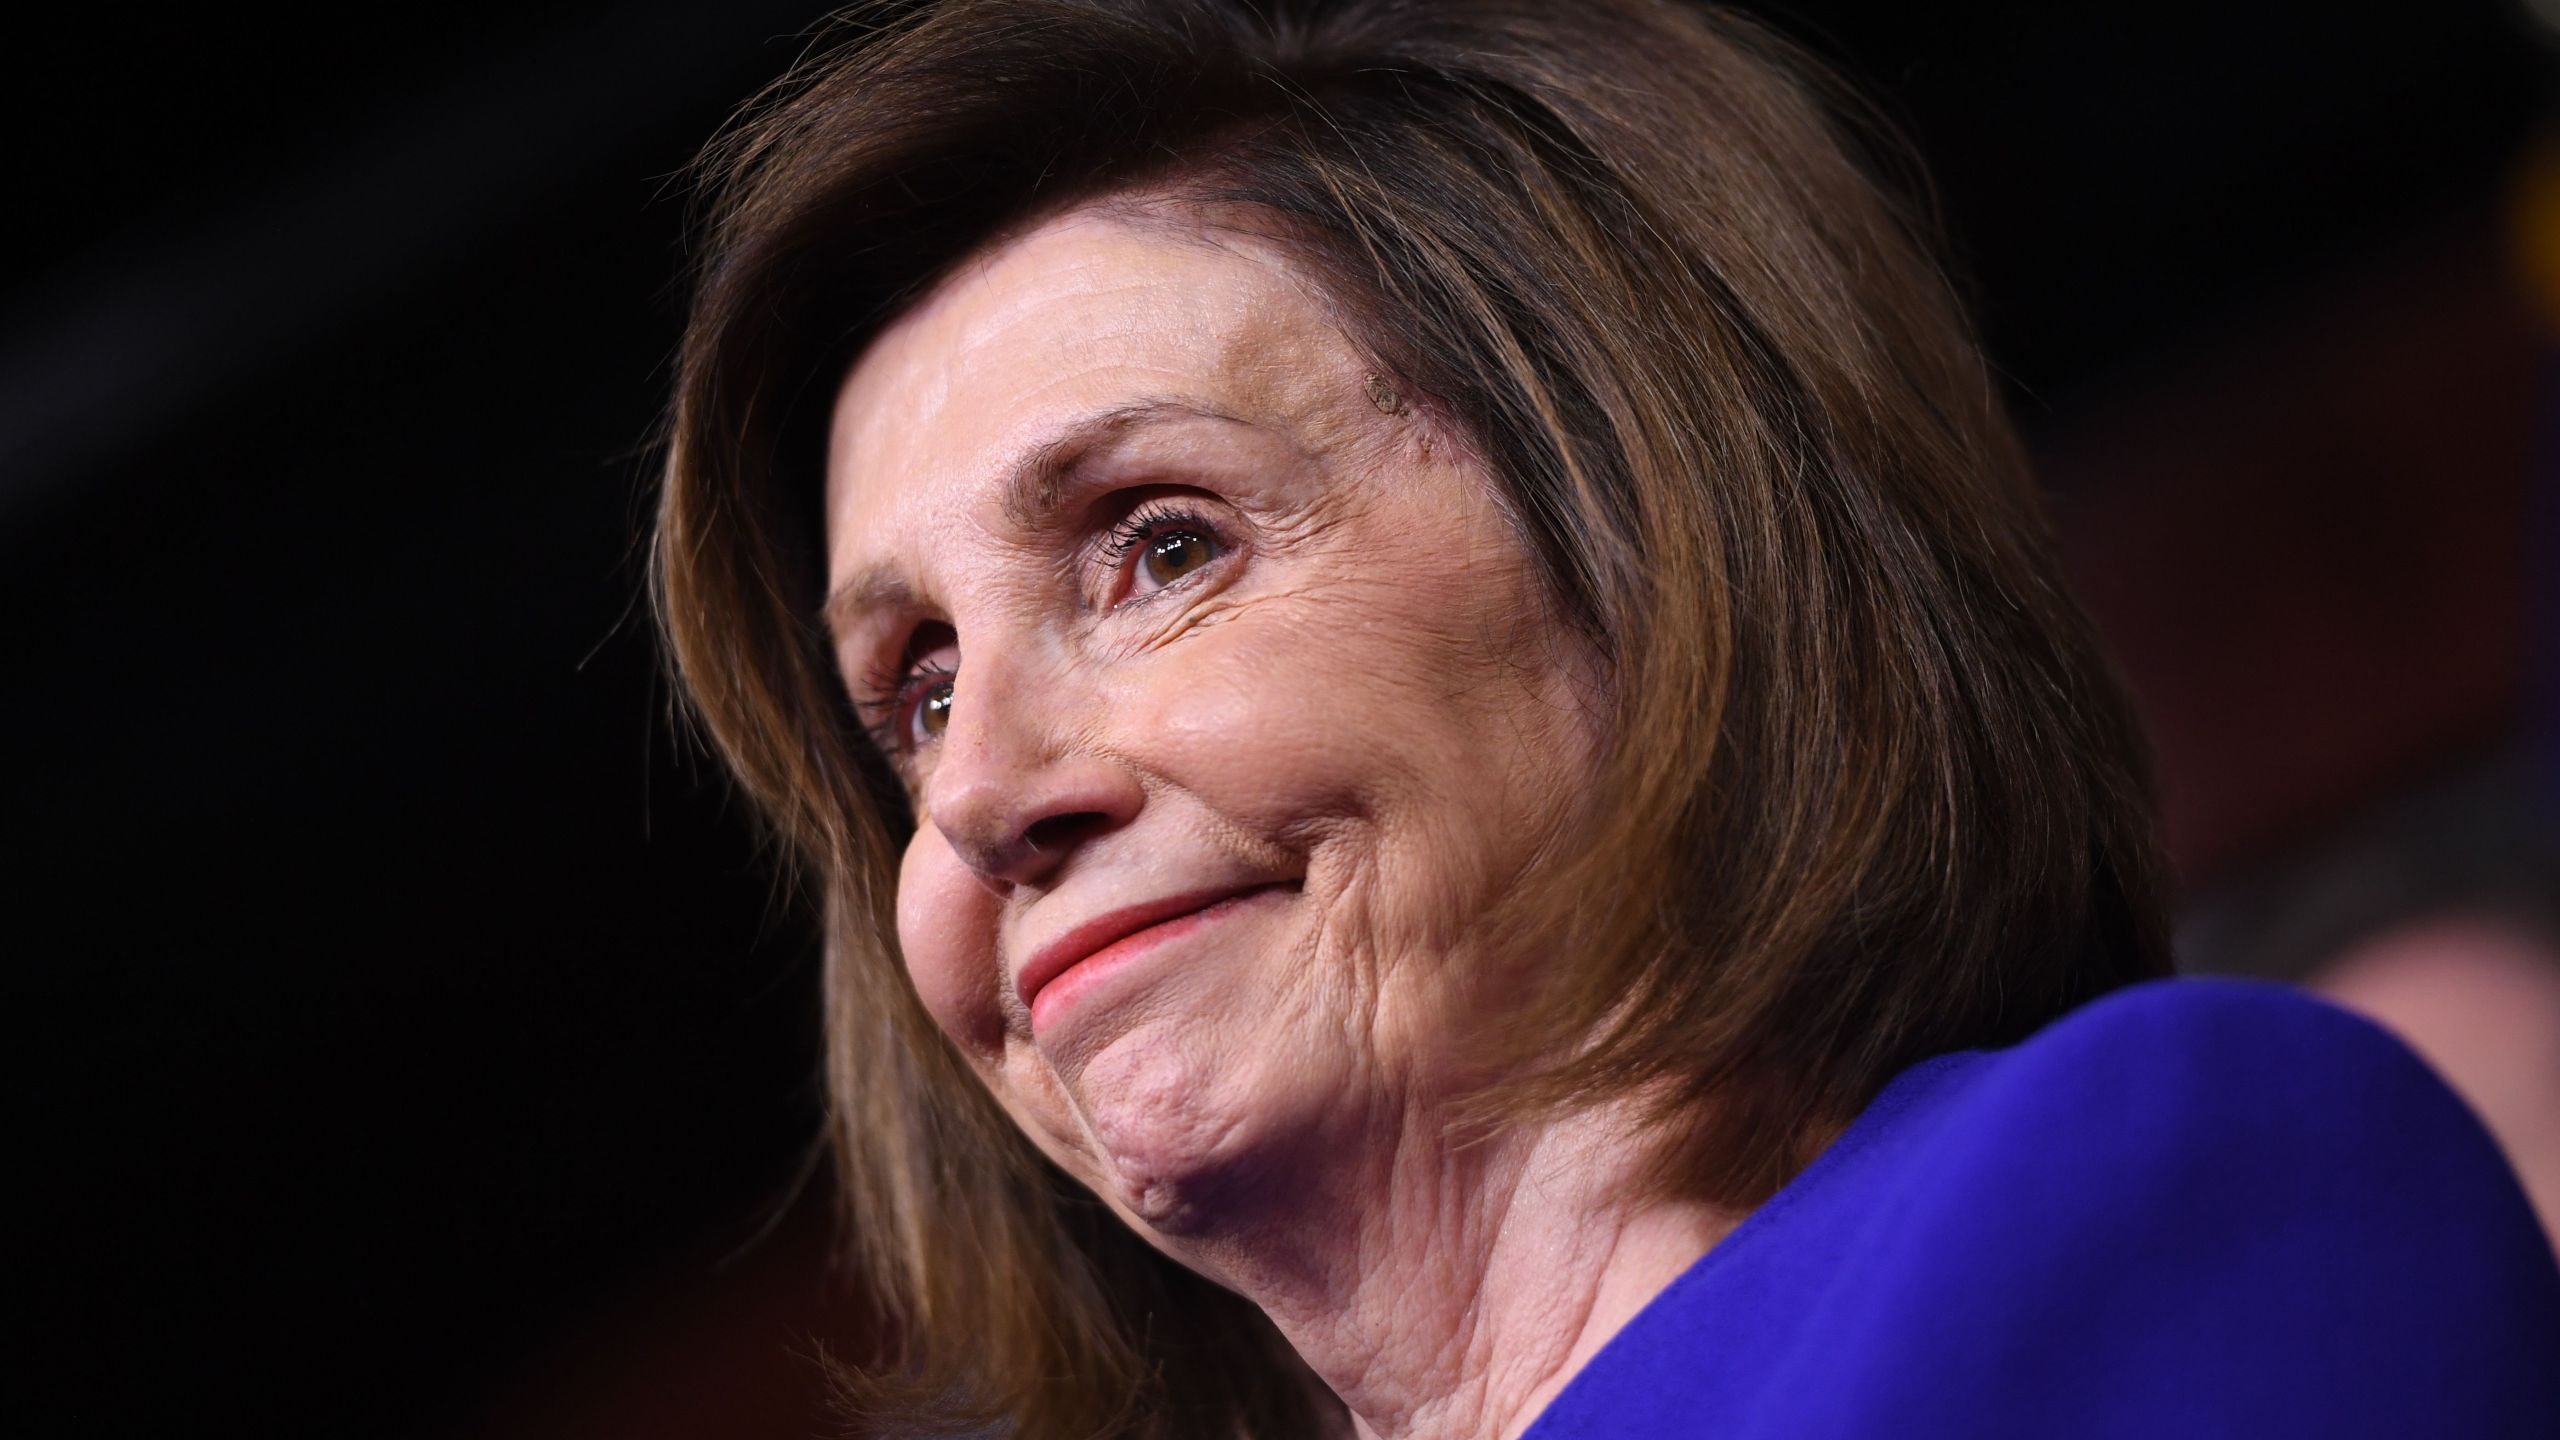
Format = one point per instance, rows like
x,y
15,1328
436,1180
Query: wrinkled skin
x,y
1358,697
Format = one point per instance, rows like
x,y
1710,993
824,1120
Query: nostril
x,y
1056,832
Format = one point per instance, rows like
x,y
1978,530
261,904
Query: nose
x,y
1017,781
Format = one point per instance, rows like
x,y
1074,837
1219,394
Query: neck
x,y
1451,1293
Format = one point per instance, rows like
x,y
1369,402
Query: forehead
x,y
1085,314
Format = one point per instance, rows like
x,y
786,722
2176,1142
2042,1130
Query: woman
x,y
1453,789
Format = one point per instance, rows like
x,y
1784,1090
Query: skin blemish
x,y
1383,395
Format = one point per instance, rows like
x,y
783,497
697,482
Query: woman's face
x,y
1225,695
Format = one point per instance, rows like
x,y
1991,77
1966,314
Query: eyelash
x,y
890,695
889,699
1150,522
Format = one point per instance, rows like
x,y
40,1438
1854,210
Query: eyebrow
x,y
1034,488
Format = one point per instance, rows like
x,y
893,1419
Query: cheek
x,y
947,935
1260,727
1408,719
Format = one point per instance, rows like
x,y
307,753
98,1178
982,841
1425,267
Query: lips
x,y
1110,928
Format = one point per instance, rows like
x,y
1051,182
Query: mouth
x,y
1120,934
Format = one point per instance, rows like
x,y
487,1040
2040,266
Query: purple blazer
x,y
2193,1208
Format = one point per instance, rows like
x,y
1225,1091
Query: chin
x,y
1183,1134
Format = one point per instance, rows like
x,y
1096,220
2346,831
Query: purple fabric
x,y
2193,1208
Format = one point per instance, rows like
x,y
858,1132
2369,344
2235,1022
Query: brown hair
x,y
1870,793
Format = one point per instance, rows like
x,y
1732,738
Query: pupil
x,y
1175,556
936,714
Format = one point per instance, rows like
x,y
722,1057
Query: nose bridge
x,y
1012,758
989,722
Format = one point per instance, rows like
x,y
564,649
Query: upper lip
x,y
1112,926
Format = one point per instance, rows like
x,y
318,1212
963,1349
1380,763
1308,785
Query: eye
x,y
1171,544
1174,554
932,713
908,708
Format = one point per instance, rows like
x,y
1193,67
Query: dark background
x,y
406,1034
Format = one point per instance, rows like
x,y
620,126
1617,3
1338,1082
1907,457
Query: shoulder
x,y
2201,1209
2205,1201
2188,1068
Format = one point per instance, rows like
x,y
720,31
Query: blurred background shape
x,y
411,1036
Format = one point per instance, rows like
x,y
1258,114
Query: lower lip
x,y
1097,968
